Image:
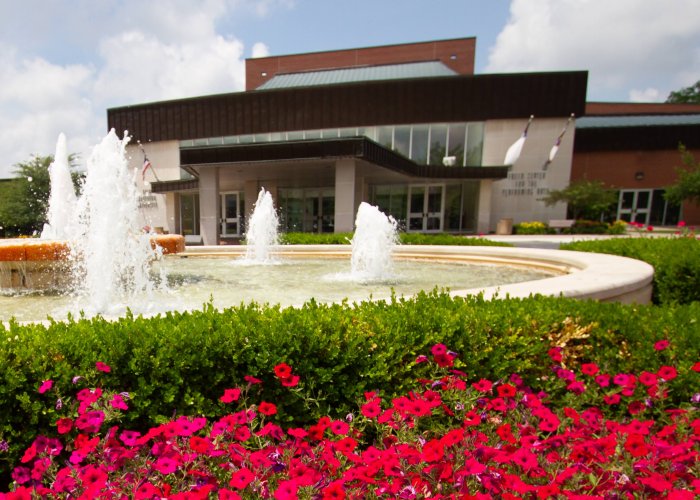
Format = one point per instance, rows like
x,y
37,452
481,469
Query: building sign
x,y
524,184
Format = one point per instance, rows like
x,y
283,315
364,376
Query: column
x,y
344,195
483,214
209,201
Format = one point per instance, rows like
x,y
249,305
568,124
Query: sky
x,y
63,63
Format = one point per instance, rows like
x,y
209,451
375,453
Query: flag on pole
x,y
516,148
555,148
145,167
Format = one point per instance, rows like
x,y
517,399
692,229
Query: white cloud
x,y
625,44
260,50
647,95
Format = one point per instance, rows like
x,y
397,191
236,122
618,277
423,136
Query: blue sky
x,y
64,63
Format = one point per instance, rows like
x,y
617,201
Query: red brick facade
x,y
457,54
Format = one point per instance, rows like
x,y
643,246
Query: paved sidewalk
x,y
553,240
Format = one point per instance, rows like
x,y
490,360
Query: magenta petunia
x,y
230,395
103,367
45,386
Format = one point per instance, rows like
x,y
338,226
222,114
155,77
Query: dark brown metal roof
x,y
355,147
177,185
389,102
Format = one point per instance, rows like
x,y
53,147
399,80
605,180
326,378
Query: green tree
x,y
25,198
686,95
585,199
687,187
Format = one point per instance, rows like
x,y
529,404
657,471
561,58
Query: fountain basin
x,y
27,263
581,275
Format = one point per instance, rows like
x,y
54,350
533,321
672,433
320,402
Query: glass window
x,y
455,142
348,132
278,136
330,133
402,140
470,202
419,144
475,144
246,139
189,214
231,139
200,142
385,136
453,207
438,143
312,134
369,132
392,200
262,137
295,135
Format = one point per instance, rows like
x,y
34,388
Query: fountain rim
x,y
581,275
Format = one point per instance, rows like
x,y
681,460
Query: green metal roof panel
x,y
363,74
636,121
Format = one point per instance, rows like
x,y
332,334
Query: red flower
x,y
230,395
371,409
611,399
696,367
667,373
589,369
506,391
252,380
345,445
64,425
103,367
165,465
292,381
483,385
283,371
241,478
267,408
334,491
555,354
647,378
286,490
439,350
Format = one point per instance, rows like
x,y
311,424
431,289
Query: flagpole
x,y
557,143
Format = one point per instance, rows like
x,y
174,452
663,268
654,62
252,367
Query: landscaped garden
x,y
423,397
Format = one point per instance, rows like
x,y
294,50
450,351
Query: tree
x,y
686,95
586,199
25,199
687,187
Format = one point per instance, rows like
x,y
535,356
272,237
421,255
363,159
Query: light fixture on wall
x,y
639,176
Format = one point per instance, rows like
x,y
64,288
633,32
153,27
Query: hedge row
x,y
182,362
676,262
404,239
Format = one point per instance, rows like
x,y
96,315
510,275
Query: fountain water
x,y
262,233
372,244
62,199
111,251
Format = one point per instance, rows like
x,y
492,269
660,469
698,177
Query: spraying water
x,y
262,233
62,200
372,244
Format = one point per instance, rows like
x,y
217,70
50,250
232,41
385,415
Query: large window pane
x,y
385,136
402,140
438,143
475,144
189,214
419,144
455,142
470,202
453,207
392,200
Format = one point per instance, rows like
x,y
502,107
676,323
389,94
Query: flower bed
x,y
453,436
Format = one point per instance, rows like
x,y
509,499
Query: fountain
x,y
261,235
92,247
372,244
114,259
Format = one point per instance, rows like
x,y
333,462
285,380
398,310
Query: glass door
x,y
426,208
231,219
634,205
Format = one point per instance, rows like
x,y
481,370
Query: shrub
x,y
534,227
404,239
676,262
181,363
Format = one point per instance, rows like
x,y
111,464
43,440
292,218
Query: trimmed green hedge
x,y
676,262
404,239
182,362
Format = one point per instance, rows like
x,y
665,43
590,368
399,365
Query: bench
x,y
560,224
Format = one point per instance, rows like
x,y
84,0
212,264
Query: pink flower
x,y
292,381
439,350
46,385
64,425
118,402
661,345
339,427
252,380
667,373
241,478
589,369
166,465
103,367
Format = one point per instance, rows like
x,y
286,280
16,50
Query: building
x,y
409,128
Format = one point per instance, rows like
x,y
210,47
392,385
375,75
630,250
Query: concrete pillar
x,y
483,211
209,201
345,195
